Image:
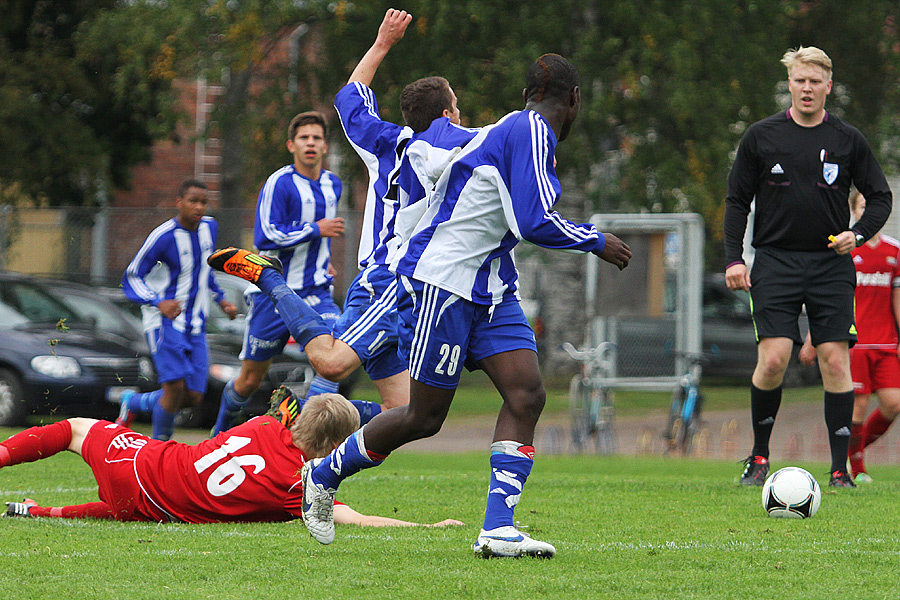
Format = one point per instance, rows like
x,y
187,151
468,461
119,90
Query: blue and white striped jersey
x,y
499,189
380,144
286,213
427,156
171,265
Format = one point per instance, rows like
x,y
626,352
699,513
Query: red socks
x,y
35,443
874,427
856,449
91,510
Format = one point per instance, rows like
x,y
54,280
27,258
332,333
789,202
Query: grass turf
x,y
645,527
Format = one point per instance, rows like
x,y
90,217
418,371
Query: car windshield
x,y
107,316
32,305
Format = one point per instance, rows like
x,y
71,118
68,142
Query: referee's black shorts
x,y
782,281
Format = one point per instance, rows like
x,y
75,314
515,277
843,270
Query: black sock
x,y
838,417
764,406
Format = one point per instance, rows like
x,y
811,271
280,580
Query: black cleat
x,y
841,479
755,471
243,263
19,509
283,405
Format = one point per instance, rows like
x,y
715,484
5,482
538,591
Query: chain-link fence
x,y
94,245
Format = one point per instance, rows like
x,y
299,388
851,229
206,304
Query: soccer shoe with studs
x,y
318,505
243,263
283,405
841,479
862,478
756,469
509,542
19,509
126,415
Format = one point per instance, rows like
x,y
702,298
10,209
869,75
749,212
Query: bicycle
x,y
591,399
687,404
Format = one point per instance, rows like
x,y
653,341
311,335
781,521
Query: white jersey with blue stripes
x,y
171,265
427,156
288,208
499,189
380,144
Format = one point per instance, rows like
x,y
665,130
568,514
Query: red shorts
x,y
109,450
874,369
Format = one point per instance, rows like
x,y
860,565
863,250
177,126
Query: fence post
x,y
5,210
99,235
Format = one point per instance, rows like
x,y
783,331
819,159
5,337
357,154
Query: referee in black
x,y
799,165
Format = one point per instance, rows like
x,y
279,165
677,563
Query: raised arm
x,y
389,33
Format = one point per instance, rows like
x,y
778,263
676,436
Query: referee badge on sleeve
x,y
829,172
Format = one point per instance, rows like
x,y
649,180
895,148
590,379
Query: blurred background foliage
x,y
668,87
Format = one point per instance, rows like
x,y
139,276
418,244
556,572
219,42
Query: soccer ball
x,y
791,493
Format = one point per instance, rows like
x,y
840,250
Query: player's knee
x,y
773,365
527,403
248,382
332,370
833,366
429,426
890,407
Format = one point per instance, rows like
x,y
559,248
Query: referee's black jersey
x,y
801,178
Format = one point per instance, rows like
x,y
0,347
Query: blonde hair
x,y
809,55
325,421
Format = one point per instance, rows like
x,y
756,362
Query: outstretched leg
x,y
90,510
36,443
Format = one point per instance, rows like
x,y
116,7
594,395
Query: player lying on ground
x,y
249,473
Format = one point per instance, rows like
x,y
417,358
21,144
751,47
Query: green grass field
x,y
623,528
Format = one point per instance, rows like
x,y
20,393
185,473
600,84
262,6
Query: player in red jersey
x,y
248,473
875,359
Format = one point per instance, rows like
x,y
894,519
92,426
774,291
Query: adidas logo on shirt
x,y
777,170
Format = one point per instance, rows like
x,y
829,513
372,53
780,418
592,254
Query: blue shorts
x,y
178,355
266,333
369,322
440,332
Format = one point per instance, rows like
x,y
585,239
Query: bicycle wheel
x,y
675,425
580,392
603,413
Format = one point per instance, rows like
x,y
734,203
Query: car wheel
x,y
13,408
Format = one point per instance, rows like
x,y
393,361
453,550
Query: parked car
x,y
53,359
728,336
645,344
113,311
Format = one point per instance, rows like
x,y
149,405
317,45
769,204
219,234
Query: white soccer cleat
x,y
512,543
318,505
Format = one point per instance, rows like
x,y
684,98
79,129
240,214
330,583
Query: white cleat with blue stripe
x,y
509,542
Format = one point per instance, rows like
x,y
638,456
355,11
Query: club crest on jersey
x,y
830,172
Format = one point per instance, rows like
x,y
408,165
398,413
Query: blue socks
x,y
268,280
301,319
367,410
145,402
347,459
320,385
163,423
230,408
511,464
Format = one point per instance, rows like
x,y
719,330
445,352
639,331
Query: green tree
x,y
70,119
